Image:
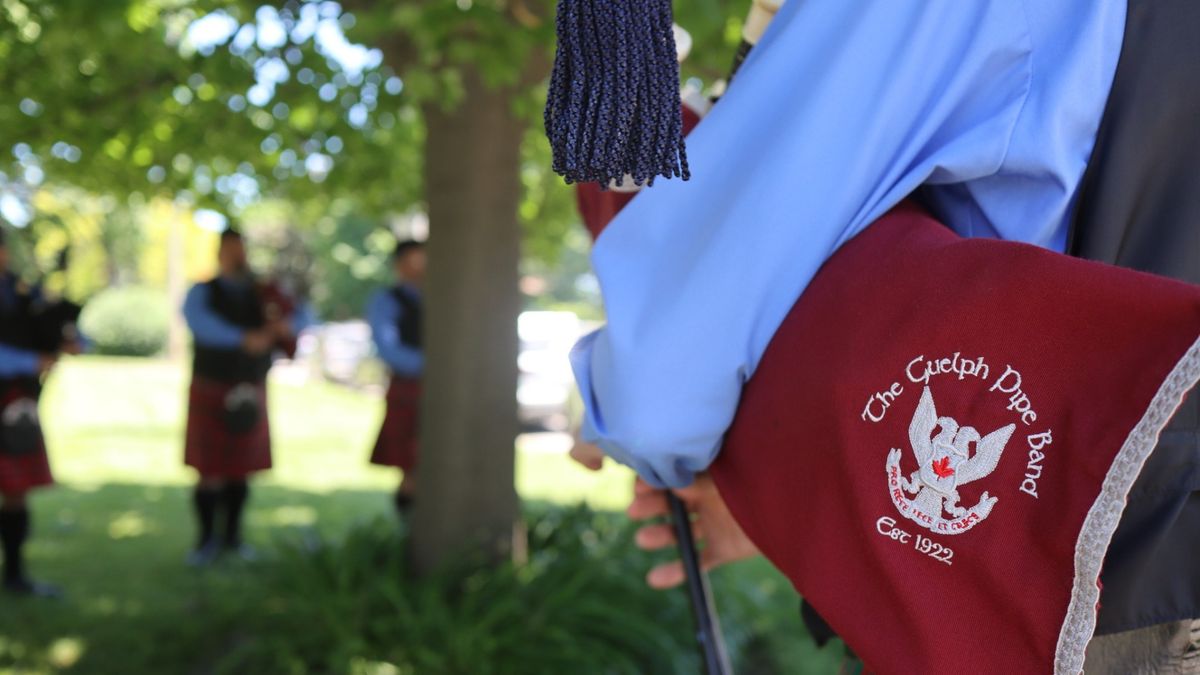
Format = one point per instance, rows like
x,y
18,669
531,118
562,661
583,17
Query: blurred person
x,y
395,315
238,323
33,335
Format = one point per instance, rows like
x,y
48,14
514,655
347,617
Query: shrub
x,y
579,606
127,321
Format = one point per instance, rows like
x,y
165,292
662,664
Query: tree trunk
x,y
466,494
176,284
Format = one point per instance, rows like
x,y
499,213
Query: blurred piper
x,y
395,316
237,324
27,353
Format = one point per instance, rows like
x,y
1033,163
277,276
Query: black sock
x,y
234,496
14,529
403,502
205,501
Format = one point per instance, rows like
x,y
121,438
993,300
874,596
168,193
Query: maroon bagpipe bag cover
x,y
599,204
937,444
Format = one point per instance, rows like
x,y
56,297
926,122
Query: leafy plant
x,y
127,321
578,605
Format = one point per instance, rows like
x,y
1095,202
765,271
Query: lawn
x,y
114,532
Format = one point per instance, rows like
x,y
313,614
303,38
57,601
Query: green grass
x,y
120,420
115,530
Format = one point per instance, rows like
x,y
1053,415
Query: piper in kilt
x,y
395,318
25,358
237,323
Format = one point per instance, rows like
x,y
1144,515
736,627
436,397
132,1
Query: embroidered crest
x,y
945,461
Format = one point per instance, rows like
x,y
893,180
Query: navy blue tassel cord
x,y
613,107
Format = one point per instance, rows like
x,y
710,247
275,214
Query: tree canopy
x,y
323,120
225,102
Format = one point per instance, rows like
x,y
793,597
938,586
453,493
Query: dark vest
x,y
1139,207
15,309
19,328
411,324
243,307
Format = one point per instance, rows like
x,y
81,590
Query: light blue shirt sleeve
x,y
16,362
208,328
86,344
383,315
842,111
304,317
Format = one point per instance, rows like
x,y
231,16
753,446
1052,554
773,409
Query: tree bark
x,y
176,284
466,496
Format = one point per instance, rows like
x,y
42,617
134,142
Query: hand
x,y
257,342
46,362
587,454
282,329
713,526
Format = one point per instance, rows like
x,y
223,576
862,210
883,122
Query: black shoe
x,y
243,552
31,589
204,555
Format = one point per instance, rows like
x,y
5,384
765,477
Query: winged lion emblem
x,y
948,456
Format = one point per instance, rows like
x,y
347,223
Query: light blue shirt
x,y
212,330
843,110
15,362
383,315
209,328
304,317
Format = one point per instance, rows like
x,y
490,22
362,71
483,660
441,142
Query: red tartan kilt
x,y
397,444
210,447
21,473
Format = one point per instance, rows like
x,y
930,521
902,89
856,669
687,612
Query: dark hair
x,y
229,234
405,246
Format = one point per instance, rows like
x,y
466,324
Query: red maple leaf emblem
x,y
942,467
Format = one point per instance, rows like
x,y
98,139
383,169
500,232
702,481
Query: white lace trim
x,y
1102,518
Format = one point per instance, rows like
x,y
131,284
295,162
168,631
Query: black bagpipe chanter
x,y
708,630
